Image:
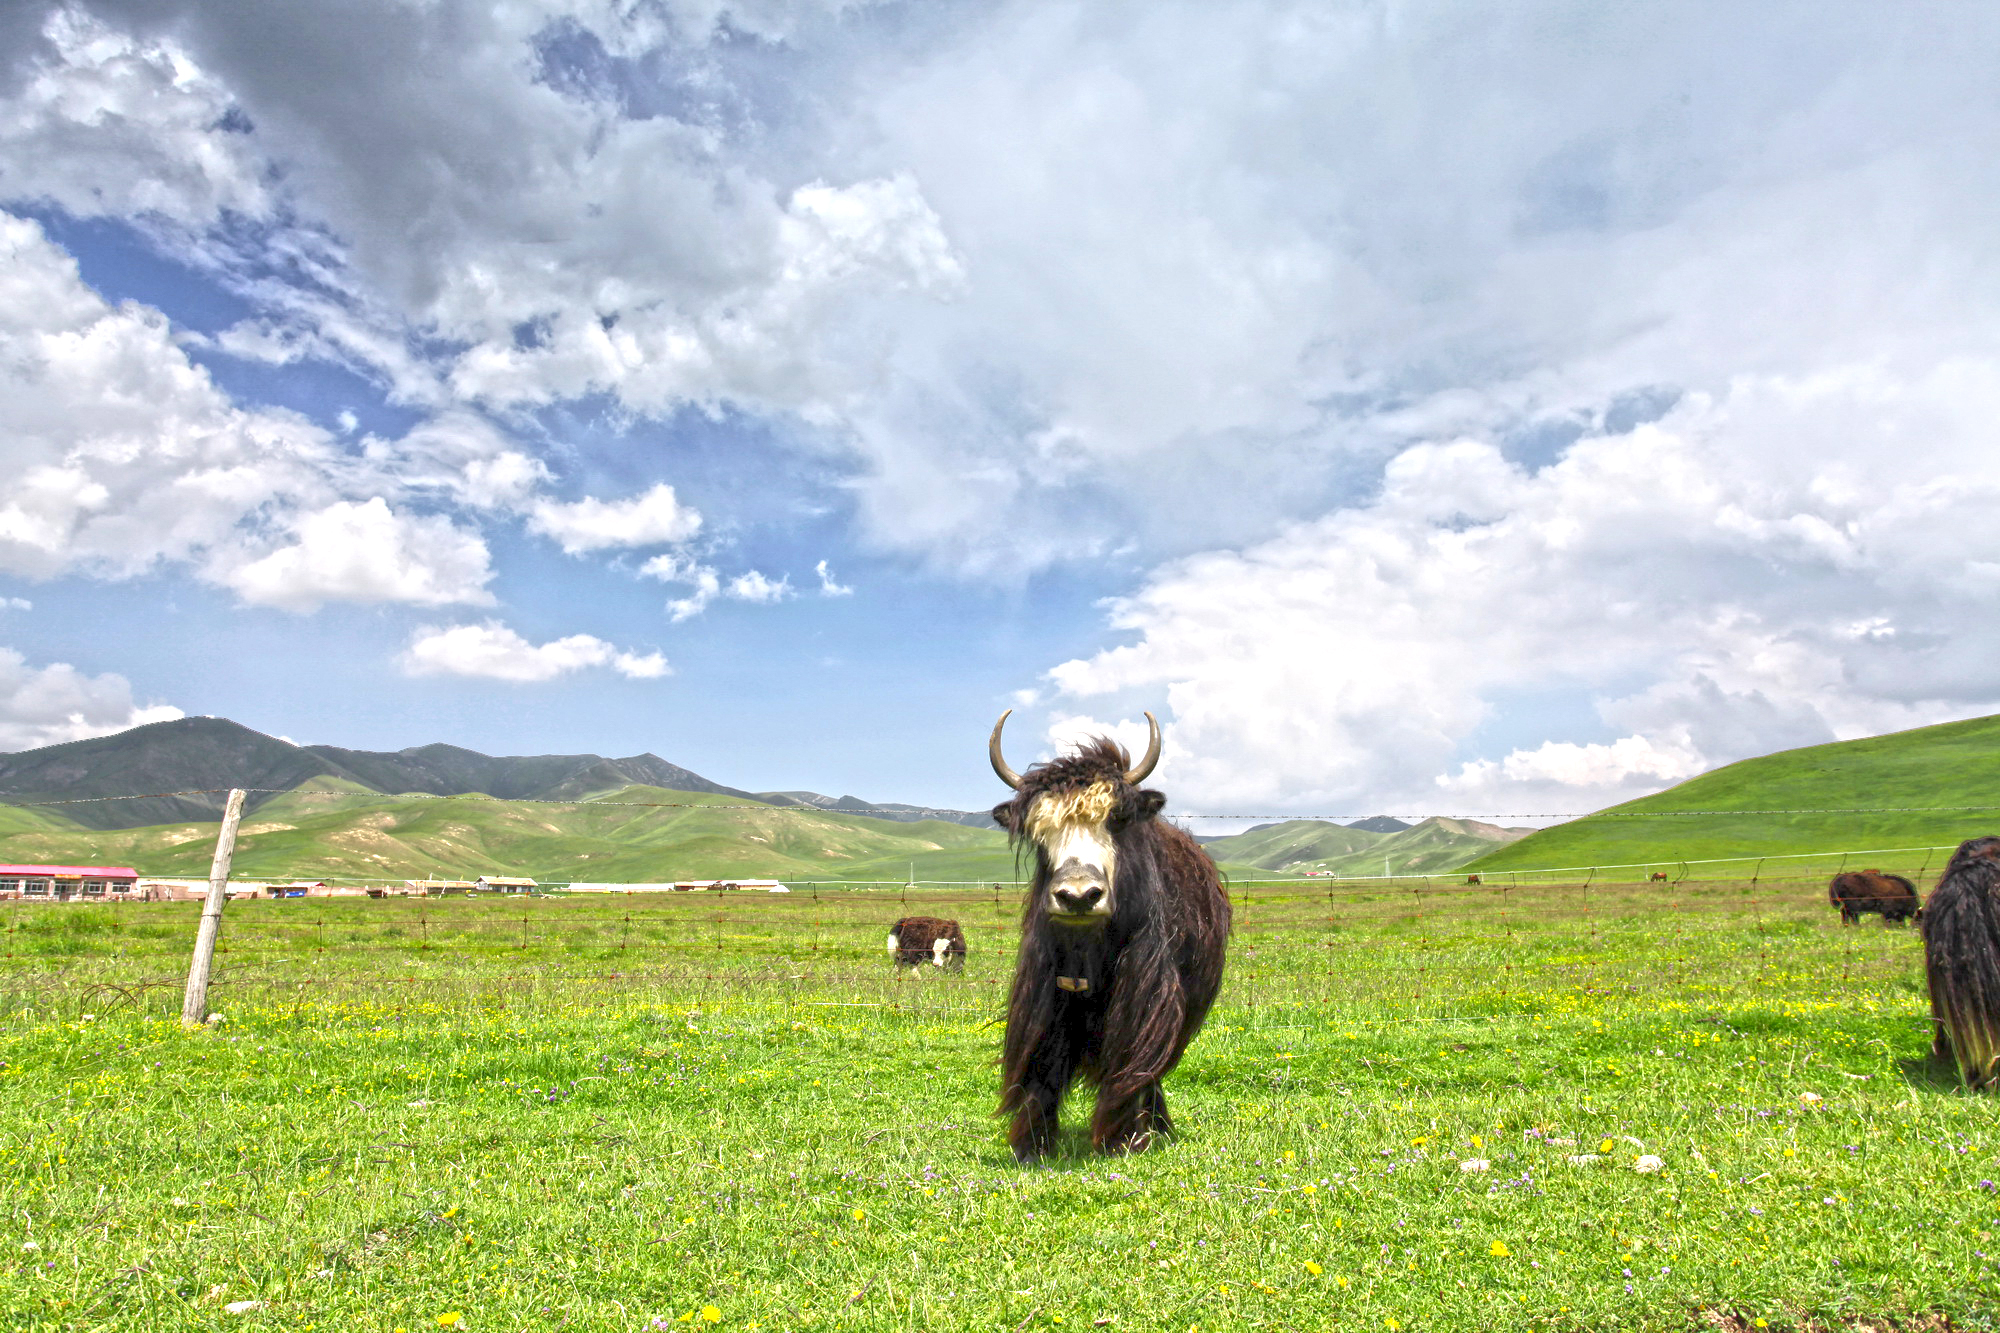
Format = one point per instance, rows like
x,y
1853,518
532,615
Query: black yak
x,y
1860,891
1121,945
916,940
1961,929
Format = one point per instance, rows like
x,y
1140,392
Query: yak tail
x,y
1962,963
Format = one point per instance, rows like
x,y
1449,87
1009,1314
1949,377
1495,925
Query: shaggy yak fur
x,y
1961,929
1860,891
1117,1001
916,940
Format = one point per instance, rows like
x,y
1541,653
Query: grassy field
x,y
656,1113
332,829
1956,764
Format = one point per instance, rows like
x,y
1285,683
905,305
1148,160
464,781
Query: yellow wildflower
x,y
1340,1281
860,1216
449,1320
1606,1146
1313,1268
710,1315
1499,1250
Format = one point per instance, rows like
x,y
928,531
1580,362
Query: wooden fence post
x,y
194,1004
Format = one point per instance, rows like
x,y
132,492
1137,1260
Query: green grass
x,y
597,1113
1956,764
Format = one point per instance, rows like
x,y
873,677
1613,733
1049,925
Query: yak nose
x,y
1075,901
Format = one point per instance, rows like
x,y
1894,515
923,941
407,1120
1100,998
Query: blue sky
x,y
1418,408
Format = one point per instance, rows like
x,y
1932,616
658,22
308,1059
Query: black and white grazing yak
x,y
1961,929
916,940
1860,891
1121,945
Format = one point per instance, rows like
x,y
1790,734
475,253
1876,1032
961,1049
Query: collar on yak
x,y
1078,984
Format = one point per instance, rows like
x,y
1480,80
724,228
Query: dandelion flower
x,y
710,1315
1498,1249
1606,1146
860,1216
450,1320
1791,1152
1313,1268
1474,1165
1340,1281
1391,1325
1478,1142
1648,1163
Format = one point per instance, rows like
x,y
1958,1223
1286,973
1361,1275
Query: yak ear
x,y
1151,803
1004,816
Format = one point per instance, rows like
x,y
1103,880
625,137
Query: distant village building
x,y
62,884
437,887
503,884
683,886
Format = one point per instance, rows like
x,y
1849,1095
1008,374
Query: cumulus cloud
x,y
1710,585
110,123
705,584
121,454
56,703
652,518
828,586
495,652
366,552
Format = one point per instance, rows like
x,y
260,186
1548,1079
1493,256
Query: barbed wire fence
x,y
1448,933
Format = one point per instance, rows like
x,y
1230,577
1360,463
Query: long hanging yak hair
x,y
1116,1003
1961,929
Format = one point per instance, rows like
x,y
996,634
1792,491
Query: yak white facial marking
x,y
1072,830
939,947
893,946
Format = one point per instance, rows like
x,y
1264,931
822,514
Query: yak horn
x,y
1146,765
1006,774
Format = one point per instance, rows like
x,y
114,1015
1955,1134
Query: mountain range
x,y
209,755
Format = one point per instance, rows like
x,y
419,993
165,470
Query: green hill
x,y
1817,789
332,828
1299,845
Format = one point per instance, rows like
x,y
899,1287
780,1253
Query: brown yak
x,y
916,940
1860,891
1961,929
1121,945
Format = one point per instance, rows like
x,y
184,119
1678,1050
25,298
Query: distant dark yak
x,y
916,940
1121,945
1961,928
1472,879
1657,877
1860,891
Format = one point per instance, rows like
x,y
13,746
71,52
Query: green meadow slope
x,y
1955,764
330,828
1299,845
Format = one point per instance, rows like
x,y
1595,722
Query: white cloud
x,y
112,124
756,587
1697,583
494,651
16,604
827,586
366,552
649,519
705,585
52,704
119,452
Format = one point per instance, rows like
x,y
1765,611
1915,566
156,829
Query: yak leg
x,y
1130,1124
1050,1069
